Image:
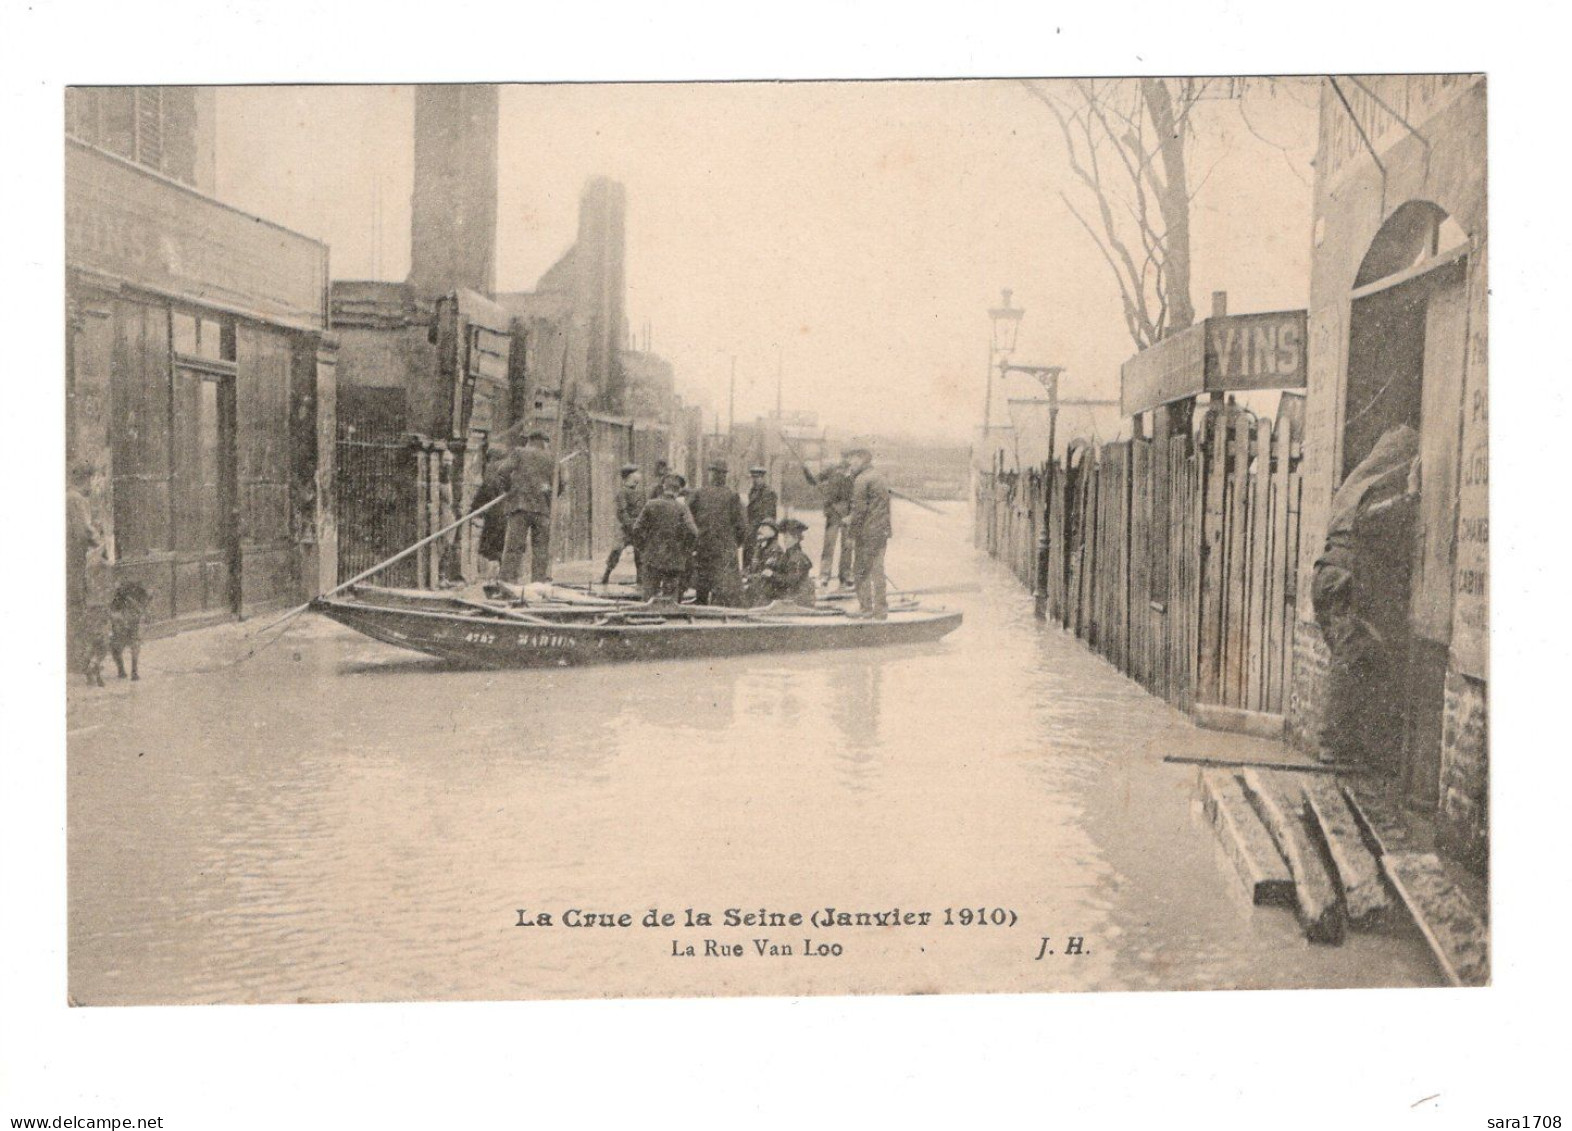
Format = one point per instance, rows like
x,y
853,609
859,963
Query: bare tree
x,y
1127,141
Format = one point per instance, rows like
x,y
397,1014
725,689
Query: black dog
x,y
124,631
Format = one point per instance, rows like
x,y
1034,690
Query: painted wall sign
x,y
138,228
1235,353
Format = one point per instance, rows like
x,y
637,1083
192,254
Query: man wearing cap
x,y
870,530
761,500
788,572
723,528
836,483
528,471
665,534
630,501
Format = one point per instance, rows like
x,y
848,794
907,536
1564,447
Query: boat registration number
x,y
526,640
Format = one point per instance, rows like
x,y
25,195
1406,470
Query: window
x,y
204,338
155,126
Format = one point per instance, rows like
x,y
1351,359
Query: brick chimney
x,y
454,228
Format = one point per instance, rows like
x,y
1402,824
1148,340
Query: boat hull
x,y
497,642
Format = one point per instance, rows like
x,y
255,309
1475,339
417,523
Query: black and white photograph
x,y
589,543
515,560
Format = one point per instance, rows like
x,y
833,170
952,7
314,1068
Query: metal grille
x,y
378,504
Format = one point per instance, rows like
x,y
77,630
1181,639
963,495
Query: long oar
x,y
915,502
382,565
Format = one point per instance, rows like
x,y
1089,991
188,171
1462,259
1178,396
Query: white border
x,y
1219,1060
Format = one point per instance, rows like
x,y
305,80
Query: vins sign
x,y
1232,353
1256,351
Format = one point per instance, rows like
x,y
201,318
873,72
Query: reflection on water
x,y
339,820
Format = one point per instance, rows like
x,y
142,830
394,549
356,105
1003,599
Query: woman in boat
x,y
787,575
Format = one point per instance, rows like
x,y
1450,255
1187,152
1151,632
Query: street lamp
x,y
1006,320
1006,324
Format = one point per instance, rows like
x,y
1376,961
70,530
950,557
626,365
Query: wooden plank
x,y
1364,892
1452,928
1236,720
1262,763
1245,839
1278,641
1281,805
1260,565
1209,615
1238,548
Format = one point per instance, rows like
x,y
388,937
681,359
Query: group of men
x,y
707,540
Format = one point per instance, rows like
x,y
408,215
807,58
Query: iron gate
x,y
378,507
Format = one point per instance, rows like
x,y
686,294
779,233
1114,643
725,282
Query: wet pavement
x,y
338,820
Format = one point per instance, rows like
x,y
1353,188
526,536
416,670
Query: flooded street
x,y
340,820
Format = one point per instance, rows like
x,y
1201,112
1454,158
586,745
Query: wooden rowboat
x,y
472,634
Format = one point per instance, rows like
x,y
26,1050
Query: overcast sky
x,y
859,229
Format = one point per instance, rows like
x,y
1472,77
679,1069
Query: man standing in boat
x,y
723,529
630,502
869,524
836,483
665,534
762,501
528,473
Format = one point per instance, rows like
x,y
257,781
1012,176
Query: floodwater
x,y
338,820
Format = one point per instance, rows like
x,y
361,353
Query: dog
x,y
119,633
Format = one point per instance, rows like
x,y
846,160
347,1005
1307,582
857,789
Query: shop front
x,y
1398,341
199,374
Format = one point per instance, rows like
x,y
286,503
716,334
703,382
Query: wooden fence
x,y
1184,581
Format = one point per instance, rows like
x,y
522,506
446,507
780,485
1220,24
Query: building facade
x,y
200,382
1397,335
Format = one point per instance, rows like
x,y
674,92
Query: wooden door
x,y
203,493
1430,600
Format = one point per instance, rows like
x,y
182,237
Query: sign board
x,y
1255,351
1233,353
139,228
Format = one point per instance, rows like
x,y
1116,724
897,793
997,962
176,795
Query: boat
x,y
479,634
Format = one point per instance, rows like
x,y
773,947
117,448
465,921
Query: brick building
x,y
1397,325
199,370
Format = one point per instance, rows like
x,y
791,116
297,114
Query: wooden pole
x,y
556,446
382,565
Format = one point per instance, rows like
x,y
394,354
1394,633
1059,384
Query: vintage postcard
x,y
776,538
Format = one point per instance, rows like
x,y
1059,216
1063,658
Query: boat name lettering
x,y
546,640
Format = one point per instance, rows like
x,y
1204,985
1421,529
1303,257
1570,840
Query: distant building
x,y
575,318
200,376
650,384
1398,333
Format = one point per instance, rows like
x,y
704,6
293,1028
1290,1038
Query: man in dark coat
x,y
665,534
836,483
787,574
723,528
529,472
762,501
630,502
1360,594
870,530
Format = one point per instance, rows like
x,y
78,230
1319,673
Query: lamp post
x,y
1006,320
